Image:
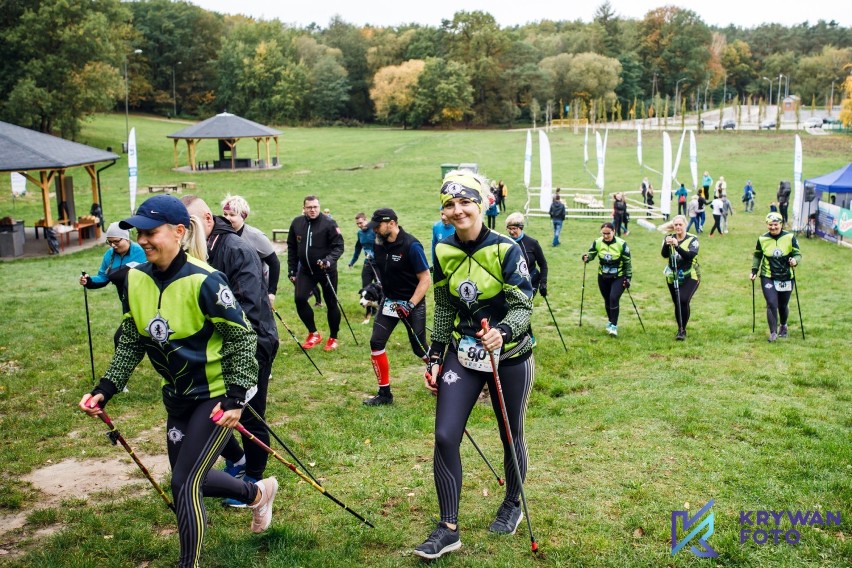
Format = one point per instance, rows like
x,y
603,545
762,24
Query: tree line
x,y
61,61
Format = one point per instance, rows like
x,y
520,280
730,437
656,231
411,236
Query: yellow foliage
x,y
393,87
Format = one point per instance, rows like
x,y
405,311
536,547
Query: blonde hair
x,y
236,204
194,241
515,218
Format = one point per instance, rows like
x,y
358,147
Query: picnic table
x,y
164,187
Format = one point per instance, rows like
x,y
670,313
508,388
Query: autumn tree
x,y
394,89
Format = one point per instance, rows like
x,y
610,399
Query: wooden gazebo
x,y
26,151
228,129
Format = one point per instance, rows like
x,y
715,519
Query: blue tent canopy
x,y
838,181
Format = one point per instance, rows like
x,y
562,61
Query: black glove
x,y
542,289
324,264
627,282
403,309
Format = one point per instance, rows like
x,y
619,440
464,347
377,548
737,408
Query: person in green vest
x,y
681,250
775,256
614,273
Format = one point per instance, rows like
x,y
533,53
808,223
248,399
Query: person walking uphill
x,y
182,313
775,256
122,255
614,273
239,261
403,271
365,240
531,249
314,245
681,250
479,274
557,216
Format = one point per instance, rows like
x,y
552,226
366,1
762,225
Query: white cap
x,y
116,232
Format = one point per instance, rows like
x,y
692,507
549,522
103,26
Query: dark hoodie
x,y
228,253
310,240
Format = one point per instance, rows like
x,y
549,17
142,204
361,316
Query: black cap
x,y
381,215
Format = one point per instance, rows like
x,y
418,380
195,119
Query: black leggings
x,y
492,221
368,275
716,224
458,391
305,284
777,303
611,290
687,289
384,325
194,443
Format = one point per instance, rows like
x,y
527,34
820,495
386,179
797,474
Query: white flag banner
x,y
546,171
798,190
639,145
693,159
19,185
599,180
528,161
679,152
666,190
132,168
586,146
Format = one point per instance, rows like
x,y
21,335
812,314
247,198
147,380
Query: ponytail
x,y
194,241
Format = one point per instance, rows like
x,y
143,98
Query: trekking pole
x,y
636,310
115,437
502,403
467,433
677,288
242,430
89,329
280,441
557,325
753,312
798,305
583,293
305,351
339,305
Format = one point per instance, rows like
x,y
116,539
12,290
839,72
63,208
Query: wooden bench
x,y
276,232
167,187
187,185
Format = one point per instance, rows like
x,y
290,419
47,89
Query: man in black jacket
x,y
557,215
314,244
239,261
403,273
534,256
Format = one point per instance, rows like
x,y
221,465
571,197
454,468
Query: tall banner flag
x,y
679,152
528,161
639,145
546,171
599,180
666,190
693,159
798,190
132,169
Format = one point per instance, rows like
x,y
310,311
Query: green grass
x,y
620,432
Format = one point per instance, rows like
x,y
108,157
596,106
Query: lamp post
x,y
770,89
127,100
831,100
779,86
677,84
174,92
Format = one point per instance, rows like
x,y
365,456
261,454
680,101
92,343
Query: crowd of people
x,y
198,293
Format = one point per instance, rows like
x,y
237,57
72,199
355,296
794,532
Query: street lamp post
x,y
677,84
174,91
127,101
770,89
831,100
779,87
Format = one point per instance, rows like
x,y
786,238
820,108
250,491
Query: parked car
x,y
813,122
729,124
830,123
768,124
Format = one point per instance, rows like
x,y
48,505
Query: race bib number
x,y
389,308
472,355
783,285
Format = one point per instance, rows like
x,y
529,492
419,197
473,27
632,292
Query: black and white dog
x,y
371,295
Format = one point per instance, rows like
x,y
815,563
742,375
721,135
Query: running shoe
x,y
508,518
228,502
379,400
681,335
261,514
782,333
235,470
772,337
312,341
330,345
441,541
613,330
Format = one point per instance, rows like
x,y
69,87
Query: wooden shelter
x,y
26,151
228,129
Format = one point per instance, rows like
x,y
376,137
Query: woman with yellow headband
x,y
775,256
477,274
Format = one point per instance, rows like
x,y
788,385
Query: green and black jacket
x,y
772,255
614,257
194,331
686,253
485,278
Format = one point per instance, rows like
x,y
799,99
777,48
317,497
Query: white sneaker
x,y
261,514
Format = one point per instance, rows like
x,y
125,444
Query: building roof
x,y
22,149
226,126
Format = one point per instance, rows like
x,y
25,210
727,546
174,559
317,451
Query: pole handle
x,y
218,416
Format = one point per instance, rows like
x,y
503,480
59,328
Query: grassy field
x,y
620,432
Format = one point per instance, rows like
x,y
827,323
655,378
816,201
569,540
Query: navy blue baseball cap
x,y
156,211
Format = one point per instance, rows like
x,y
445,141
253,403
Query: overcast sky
x,y
744,13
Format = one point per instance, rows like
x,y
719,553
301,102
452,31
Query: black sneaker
x,y
681,335
379,400
441,541
509,516
782,333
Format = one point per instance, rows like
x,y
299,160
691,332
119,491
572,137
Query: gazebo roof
x,y
225,126
22,149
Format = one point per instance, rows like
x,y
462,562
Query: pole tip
x,y
534,546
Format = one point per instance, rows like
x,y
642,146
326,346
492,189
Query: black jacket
x,y
238,260
557,211
398,265
310,240
536,263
